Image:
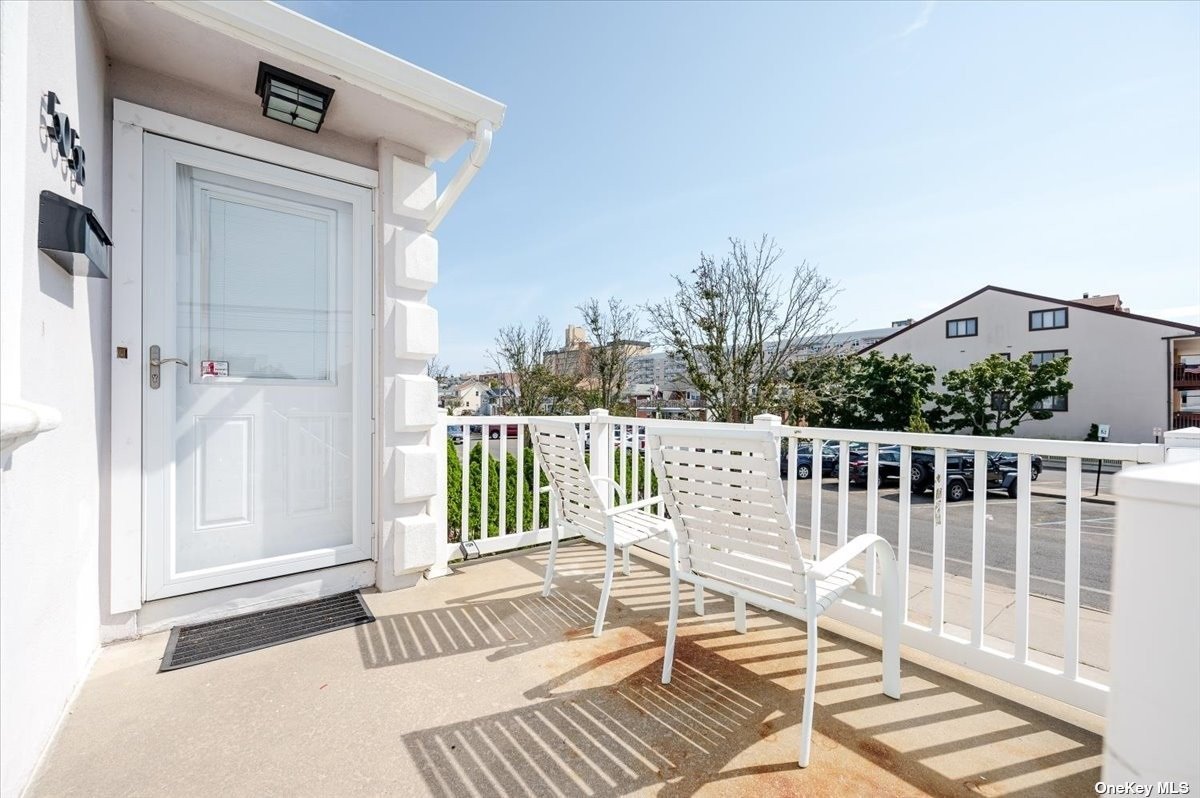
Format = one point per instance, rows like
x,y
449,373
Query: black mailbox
x,y
72,236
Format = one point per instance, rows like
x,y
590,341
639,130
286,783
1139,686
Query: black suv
x,y
889,468
960,472
1009,460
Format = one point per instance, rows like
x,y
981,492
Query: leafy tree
x,y
819,386
889,393
610,329
993,396
863,392
736,324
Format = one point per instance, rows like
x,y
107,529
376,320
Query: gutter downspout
x,y
466,173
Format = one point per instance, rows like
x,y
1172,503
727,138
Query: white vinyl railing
x,y
963,639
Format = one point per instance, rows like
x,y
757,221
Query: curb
x,y
1104,499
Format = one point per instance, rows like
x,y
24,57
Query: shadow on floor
x,y
731,712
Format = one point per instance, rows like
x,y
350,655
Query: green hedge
x,y
526,483
514,479
634,492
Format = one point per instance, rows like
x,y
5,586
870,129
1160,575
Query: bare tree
x,y
438,370
610,330
518,357
739,322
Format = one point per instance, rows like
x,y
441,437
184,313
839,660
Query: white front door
x,y
256,423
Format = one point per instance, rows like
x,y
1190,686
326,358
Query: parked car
x,y
960,476
960,473
455,432
889,467
510,430
921,468
804,466
1009,460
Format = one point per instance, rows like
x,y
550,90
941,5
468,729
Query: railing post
x,y
600,449
437,504
772,422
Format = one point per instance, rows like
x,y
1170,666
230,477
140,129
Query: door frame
x,y
131,122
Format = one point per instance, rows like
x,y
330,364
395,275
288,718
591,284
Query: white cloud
x,y
921,21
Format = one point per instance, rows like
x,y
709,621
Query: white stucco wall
x,y
54,352
1118,364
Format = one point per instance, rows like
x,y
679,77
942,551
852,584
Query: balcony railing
x,y
1185,420
1185,376
954,575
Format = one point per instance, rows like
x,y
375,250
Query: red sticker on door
x,y
214,368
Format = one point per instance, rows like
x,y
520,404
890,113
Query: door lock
x,y
156,364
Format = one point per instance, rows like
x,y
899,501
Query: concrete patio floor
x,y
474,684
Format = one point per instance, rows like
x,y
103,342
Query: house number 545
x,y
59,130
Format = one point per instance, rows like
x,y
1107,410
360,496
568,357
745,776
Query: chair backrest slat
x,y
560,448
724,493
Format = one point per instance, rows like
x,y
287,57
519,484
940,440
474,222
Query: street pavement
x,y
1047,542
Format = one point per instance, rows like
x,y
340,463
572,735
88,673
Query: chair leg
x,y
891,629
698,602
810,688
550,562
672,617
739,615
625,561
609,557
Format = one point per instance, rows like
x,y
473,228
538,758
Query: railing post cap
x,y
768,419
599,412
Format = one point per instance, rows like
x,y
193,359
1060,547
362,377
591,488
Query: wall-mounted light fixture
x,y
291,99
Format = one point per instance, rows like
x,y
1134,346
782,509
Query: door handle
x,y
156,364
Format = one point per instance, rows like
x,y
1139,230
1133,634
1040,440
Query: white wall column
x,y
406,337
1155,700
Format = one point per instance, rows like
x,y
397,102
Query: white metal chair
x,y
733,535
578,503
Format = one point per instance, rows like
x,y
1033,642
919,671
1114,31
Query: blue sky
x,y
913,151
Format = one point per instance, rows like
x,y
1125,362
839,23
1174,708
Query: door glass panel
x,y
264,444
264,294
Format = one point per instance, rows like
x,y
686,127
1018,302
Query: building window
x,y
1046,355
1056,403
962,328
1053,319
1005,355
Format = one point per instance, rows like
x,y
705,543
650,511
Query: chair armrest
x,y
840,558
637,505
617,482
544,489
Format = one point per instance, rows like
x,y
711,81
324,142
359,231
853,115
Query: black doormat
x,y
204,642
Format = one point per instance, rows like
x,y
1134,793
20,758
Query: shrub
x,y
514,479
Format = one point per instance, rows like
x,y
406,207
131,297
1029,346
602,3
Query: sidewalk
x,y
1046,626
1046,632
1061,493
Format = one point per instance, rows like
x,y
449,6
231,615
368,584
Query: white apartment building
x,y
1122,365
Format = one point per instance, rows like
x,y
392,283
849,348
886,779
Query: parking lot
x,y
1047,545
